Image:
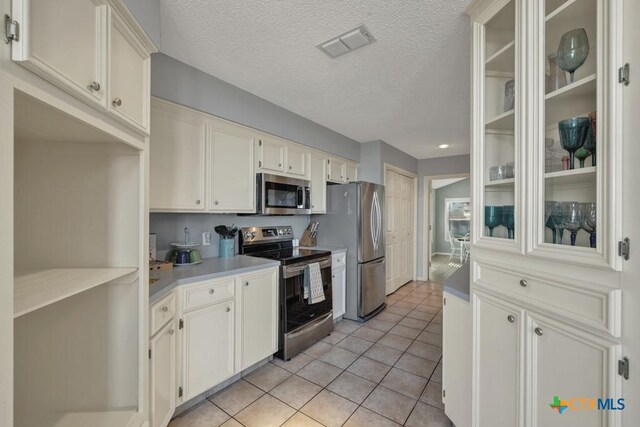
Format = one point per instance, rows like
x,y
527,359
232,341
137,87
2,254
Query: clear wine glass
x,y
572,219
573,51
588,222
492,217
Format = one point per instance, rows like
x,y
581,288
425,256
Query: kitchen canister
x,y
227,248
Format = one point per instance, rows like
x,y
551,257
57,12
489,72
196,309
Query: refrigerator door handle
x,y
373,227
379,211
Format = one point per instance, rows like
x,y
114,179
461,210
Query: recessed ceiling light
x,y
346,42
443,146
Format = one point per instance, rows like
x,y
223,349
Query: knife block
x,y
307,240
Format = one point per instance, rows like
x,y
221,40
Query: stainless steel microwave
x,y
279,195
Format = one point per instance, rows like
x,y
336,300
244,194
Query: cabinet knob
x,y
94,86
211,291
538,331
313,206
290,167
117,102
246,283
171,331
165,308
279,165
523,283
228,309
333,276
511,318
215,202
198,202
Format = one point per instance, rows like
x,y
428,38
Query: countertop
x,y
211,268
333,249
459,283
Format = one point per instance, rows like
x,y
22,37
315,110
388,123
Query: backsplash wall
x,y
169,228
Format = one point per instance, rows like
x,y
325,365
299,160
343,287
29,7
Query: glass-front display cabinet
x,y
573,142
497,122
545,133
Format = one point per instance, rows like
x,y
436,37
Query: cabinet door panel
x,y
233,181
129,86
338,289
209,339
497,360
336,170
65,42
569,364
318,185
177,162
259,316
163,375
296,161
271,155
351,173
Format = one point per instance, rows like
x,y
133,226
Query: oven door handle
x,y
297,269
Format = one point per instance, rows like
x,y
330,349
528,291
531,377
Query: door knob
x,y
538,331
117,102
94,86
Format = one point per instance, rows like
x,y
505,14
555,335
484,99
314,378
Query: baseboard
x,y
442,253
421,278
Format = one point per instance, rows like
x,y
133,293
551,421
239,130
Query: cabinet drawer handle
x,y
94,86
228,309
523,283
198,202
538,331
171,331
117,102
211,291
165,308
511,318
246,283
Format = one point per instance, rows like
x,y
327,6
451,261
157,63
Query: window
x,y
457,217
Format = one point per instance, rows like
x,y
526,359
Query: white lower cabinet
x,y
339,284
259,325
208,347
497,363
162,368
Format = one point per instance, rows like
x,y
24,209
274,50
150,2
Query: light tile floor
x,y
441,267
385,372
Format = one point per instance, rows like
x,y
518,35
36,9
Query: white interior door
x,y
399,221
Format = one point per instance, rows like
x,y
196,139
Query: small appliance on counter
x,y
185,253
302,323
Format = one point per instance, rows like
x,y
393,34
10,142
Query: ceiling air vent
x,y
346,42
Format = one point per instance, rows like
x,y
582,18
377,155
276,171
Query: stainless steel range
x,y
301,324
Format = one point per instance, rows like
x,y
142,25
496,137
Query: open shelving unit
x,y
78,218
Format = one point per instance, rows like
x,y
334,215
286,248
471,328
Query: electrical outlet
x,y
206,238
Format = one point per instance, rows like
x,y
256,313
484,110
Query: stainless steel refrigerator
x,y
354,220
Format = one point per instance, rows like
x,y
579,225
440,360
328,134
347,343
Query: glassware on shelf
x,y
492,217
497,173
588,221
549,208
572,220
553,154
556,78
565,163
509,95
573,134
508,219
582,153
573,51
509,170
590,143
557,217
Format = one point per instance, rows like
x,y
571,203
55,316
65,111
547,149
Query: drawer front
x,y
338,260
583,303
161,312
205,293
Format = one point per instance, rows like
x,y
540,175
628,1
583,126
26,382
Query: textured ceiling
x,y
410,88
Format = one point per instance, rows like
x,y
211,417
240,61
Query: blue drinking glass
x,y
492,217
573,135
573,51
588,221
557,217
590,144
509,219
549,223
572,219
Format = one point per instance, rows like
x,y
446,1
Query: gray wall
x,y
178,82
169,228
374,155
452,191
432,167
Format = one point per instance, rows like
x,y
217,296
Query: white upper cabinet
x,y
336,170
318,166
65,41
271,154
350,172
259,324
177,160
129,76
231,167
297,161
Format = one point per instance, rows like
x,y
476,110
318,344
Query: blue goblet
x,y
508,220
549,223
588,221
572,219
557,217
590,143
492,217
573,135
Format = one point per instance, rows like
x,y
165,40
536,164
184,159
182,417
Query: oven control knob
x,y
281,232
248,235
253,234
